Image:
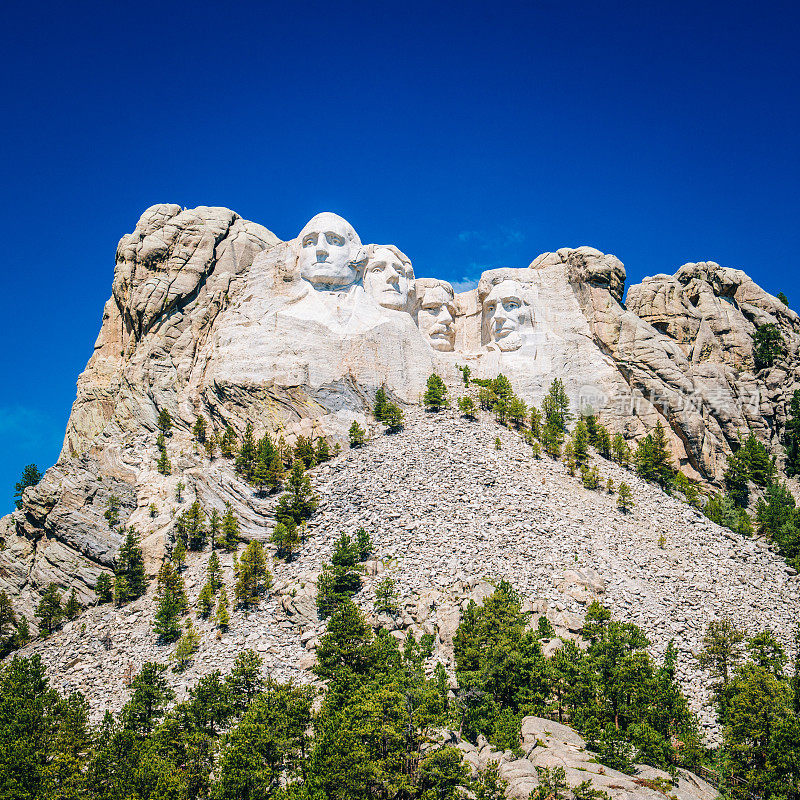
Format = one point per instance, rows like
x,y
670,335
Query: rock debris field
x,y
447,513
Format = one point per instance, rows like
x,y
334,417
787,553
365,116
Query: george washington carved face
x,y
330,253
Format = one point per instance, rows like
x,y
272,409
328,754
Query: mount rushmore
x,y
213,315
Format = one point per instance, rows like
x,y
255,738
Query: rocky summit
x,y
213,317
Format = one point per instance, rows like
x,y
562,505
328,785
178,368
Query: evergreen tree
x,y
222,617
791,436
322,453
246,459
435,397
214,523
49,610
205,600
381,402
736,479
72,607
768,346
199,429
164,421
30,477
112,511
345,647
393,418
130,566
552,438
214,572
466,406
191,526
536,422
783,298
386,597
22,634
299,503
624,497
187,646
555,406
517,411
166,619
103,588
603,441
7,615
363,544
210,445
653,460
230,529
253,577
340,579
580,444
163,465
304,452
357,434
620,450
227,442
179,554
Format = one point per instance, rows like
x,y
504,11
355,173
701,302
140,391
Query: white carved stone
x,y
330,256
389,279
437,313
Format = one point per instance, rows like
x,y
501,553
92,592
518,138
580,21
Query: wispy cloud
x,y
465,284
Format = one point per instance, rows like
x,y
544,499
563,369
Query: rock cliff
x,y
213,315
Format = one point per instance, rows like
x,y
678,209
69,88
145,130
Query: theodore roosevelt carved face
x,y
437,313
506,315
389,279
330,254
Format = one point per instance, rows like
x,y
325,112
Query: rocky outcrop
x,y
213,315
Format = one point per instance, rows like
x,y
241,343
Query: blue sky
x,y
471,135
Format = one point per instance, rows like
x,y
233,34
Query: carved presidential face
x,y
330,254
506,315
436,315
389,279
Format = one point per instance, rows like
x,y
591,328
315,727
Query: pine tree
x,y
304,452
254,577
222,617
435,397
230,529
180,486
7,615
768,346
791,436
214,572
227,442
164,421
103,588
357,434
205,601
171,604
393,418
153,510
170,581
379,409
580,444
363,544
187,646
555,406
466,406
199,430
130,565
30,477
552,437
49,610
291,542
213,528
22,634
323,450
163,465
179,554
386,597
783,298
246,459
112,511
624,497
536,422
210,445
192,526
620,450
517,411
736,478
299,502
278,538
73,606
653,460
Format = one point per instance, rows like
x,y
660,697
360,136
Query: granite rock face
x,y
212,315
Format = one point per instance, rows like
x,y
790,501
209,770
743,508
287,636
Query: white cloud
x,y
465,284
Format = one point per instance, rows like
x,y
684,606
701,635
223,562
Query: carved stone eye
x,y
309,240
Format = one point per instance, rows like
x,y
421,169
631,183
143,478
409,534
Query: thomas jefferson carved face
x,y
436,315
506,315
389,279
330,254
